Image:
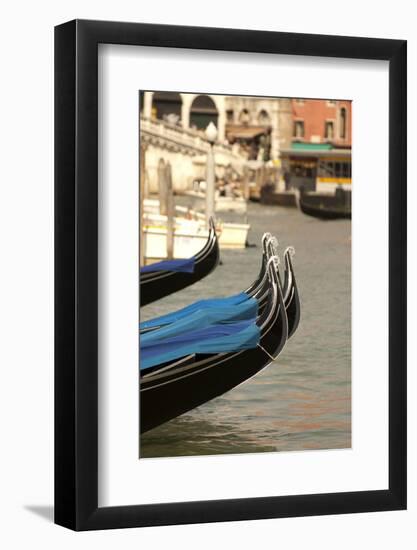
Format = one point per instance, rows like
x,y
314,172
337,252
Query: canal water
x,y
303,400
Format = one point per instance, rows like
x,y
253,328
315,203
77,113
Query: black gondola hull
x,y
168,394
325,206
168,398
325,213
164,284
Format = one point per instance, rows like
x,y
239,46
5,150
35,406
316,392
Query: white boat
x,y
234,235
151,206
222,203
231,235
189,237
190,234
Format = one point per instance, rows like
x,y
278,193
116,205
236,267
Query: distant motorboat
x,y
271,196
223,201
237,205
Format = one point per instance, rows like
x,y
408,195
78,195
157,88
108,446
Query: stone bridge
x,y
186,151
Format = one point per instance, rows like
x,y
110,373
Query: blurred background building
x,y
285,134
322,121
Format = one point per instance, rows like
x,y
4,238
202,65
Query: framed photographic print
x,y
230,246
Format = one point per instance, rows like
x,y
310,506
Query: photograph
x,y
245,208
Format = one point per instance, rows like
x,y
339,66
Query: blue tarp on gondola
x,y
195,306
202,319
219,338
185,266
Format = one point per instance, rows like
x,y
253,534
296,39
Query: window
x,y
203,111
325,169
303,168
347,170
330,169
244,117
343,123
329,129
166,103
230,115
263,118
299,129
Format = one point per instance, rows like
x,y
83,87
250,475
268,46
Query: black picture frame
x,y
76,272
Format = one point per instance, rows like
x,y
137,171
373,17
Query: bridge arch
x,y
167,106
244,116
183,105
263,118
203,111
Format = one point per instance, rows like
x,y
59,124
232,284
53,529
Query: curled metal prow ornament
x,y
290,250
274,245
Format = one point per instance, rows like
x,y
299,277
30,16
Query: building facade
x,y
190,111
319,158
322,121
279,131
258,126
262,126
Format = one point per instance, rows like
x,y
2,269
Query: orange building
x,y
322,121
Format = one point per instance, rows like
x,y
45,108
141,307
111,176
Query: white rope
x,y
268,354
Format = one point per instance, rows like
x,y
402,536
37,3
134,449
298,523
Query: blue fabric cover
x,y
185,266
202,319
220,338
196,306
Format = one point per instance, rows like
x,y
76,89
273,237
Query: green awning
x,y
297,146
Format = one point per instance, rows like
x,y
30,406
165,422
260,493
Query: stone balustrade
x,y
185,149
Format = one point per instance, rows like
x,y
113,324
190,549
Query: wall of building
x,y
255,112
285,123
186,151
314,113
279,117
187,102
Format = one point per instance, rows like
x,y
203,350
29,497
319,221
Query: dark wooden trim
x,y
65,258
398,273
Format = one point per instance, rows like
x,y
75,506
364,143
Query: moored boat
x,y
269,195
163,278
179,386
257,289
190,233
326,206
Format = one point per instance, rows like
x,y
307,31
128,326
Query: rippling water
x,y
303,400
